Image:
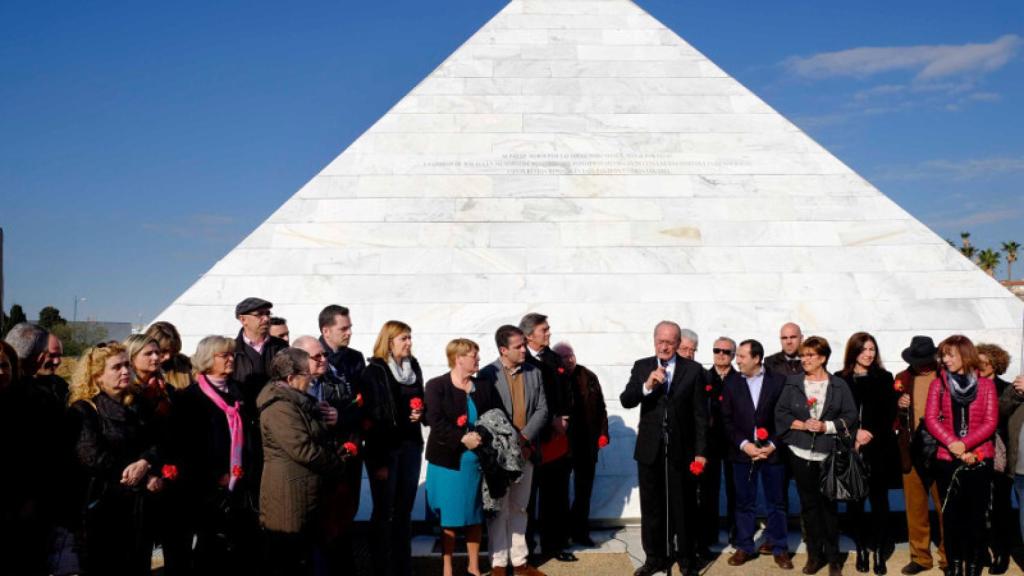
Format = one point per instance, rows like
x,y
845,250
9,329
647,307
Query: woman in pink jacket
x,y
962,414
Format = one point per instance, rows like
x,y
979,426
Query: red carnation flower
x,y
351,448
719,397
602,441
169,472
761,434
898,386
707,388
812,402
462,420
561,370
416,403
236,471
359,400
696,467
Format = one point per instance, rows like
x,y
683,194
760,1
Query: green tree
x,y
1011,249
965,239
49,317
17,316
968,251
988,260
77,336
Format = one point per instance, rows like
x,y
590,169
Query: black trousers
x,y
286,554
709,500
553,496
820,515
113,538
965,492
871,529
391,519
228,536
171,528
1004,521
583,469
666,534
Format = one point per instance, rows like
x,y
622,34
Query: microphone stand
x,y
668,506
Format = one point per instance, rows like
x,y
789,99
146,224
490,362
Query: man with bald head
x,y
670,437
787,360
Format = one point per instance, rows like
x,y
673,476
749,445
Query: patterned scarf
x,y
234,426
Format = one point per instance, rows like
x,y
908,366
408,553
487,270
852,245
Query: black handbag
x,y
844,477
924,447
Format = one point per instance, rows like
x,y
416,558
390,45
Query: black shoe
x,y
835,569
1000,564
862,564
813,566
564,556
973,569
650,568
955,568
913,568
879,558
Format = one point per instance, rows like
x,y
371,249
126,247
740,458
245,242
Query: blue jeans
x,y
773,482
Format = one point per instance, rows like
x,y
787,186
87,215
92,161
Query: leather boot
x,y
1000,563
973,568
879,558
955,568
862,563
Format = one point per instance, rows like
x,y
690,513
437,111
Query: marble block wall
x,y
578,158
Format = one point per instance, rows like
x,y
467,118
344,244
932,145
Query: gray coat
x,y
536,402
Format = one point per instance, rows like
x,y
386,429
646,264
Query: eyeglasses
x,y
727,351
258,313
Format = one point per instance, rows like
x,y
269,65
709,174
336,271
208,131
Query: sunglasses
x,y
726,351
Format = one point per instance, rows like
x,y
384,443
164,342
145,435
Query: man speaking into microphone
x,y
669,450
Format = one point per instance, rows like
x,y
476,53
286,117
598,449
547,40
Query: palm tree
x,y
1011,256
965,238
988,260
968,251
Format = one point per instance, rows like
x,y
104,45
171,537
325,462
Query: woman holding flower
x,y
811,410
218,447
962,414
876,397
393,445
454,401
299,451
117,460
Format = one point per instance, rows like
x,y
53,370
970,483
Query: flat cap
x,y
250,305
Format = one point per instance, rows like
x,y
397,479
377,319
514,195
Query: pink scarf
x,y
234,426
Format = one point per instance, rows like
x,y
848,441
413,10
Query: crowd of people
x,y
248,456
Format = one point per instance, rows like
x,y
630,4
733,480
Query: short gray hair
x,y
687,334
28,340
670,324
531,321
302,341
288,362
208,347
729,340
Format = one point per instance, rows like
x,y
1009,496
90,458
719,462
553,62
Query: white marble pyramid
x,y
578,158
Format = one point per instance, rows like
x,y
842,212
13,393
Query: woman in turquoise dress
x,y
453,402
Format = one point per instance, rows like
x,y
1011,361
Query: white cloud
x,y
927,62
969,169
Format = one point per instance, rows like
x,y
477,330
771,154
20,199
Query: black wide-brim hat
x,y
922,351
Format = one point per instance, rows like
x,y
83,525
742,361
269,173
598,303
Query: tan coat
x,y
298,452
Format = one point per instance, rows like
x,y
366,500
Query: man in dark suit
x,y
748,412
670,392
787,360
552,475
254,348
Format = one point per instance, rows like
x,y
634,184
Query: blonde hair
x,y
390,330
90,366
210,346
459,347
166,336
135,343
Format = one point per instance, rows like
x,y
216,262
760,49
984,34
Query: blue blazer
x,y
741,419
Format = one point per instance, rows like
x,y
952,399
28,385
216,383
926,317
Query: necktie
x,y
668,375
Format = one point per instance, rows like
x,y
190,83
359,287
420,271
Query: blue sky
x,y
140,142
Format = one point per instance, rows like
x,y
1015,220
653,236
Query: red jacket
x,y
983,416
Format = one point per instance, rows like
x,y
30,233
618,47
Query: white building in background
x,y
580,159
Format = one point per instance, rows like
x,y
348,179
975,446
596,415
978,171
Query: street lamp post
x,y
74,315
